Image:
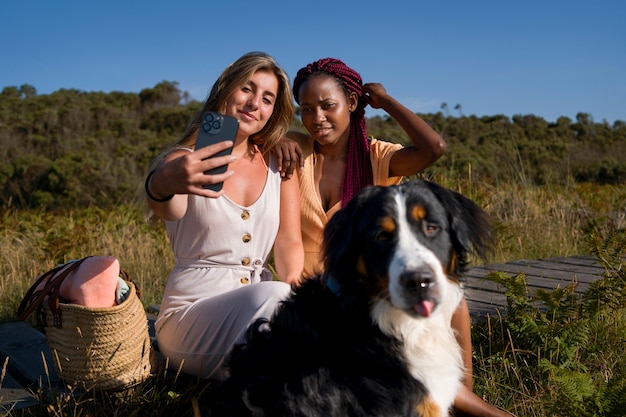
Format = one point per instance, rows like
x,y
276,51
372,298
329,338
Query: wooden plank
x,y
21,347
577,260
485,296
584,261
476,278
543,278
533,282
541,272
478,296
546,284
13,399
9,382
479,282
481,311
485,302
27,349
548,265
152,331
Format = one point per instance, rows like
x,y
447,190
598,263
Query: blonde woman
x,y
222,239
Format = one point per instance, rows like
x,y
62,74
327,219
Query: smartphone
x,y
215,128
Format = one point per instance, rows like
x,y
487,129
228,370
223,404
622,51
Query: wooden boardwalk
x,y
485,297
26,360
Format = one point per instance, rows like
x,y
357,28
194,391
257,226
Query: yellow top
x,y
313,217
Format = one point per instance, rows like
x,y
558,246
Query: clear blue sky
x,y
547,58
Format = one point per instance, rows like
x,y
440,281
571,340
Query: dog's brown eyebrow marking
x,y
360,266
418,212
388,224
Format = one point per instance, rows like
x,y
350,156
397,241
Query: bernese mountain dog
x,y
371,336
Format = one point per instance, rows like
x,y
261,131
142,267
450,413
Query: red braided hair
x,y
359,167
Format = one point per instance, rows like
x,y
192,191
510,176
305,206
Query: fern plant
x,y
557,348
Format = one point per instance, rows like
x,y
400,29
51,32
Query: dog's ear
x,y
339,246
471,230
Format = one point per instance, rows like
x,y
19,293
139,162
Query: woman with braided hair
x,y
336,159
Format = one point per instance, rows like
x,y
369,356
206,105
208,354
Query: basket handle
x,y
33,299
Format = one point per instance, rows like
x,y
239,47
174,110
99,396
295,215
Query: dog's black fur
x,y
339,346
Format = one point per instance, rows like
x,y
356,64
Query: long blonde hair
x,y
232,78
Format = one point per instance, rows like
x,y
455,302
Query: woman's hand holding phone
x,y
215,129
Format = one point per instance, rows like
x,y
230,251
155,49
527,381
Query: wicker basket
x,y
93,348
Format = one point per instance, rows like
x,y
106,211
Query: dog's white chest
x,y
434,354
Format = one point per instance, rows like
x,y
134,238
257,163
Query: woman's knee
x,y
274,291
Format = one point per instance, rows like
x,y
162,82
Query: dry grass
x,y
531,223
33,242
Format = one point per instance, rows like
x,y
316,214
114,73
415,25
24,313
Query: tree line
x,y
72,149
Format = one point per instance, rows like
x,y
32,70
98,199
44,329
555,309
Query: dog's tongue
x,y
424,308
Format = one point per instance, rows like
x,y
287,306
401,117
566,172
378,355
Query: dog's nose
x,y
417,280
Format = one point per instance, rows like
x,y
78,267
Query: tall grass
x,y
33,242
523,376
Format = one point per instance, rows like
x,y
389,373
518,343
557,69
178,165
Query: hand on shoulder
x,y
289,153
